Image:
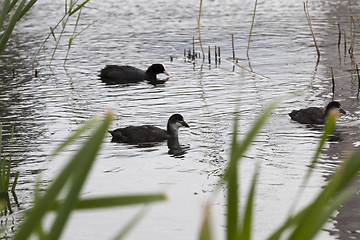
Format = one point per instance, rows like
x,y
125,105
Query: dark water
x,y
46,109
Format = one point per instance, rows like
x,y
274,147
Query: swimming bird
x,y
149,133
315,115
129,74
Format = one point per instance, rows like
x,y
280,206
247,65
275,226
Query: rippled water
x,y
46,109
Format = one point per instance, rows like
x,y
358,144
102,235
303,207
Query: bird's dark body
x,y
315,115
129,74
123,73
311,115
139,134
149,133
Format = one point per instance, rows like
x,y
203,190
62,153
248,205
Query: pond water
x,y
45,110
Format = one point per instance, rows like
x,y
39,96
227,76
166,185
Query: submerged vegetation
x,y
5,168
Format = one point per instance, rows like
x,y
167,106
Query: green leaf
x,y
84,159
78,7
112,201
131,224
86,27
309,221
70,40
76,134
43,203
52,33
15,181
247,223
328,129
4,12
12,5
239,148
6,35
27,8
205,233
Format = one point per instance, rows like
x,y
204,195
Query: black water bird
x,y
129,74
149,133
315,115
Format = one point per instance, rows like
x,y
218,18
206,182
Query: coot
x,y
129,74
315,115
149,133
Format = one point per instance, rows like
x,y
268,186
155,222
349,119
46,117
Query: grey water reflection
x,y
176,149
346,221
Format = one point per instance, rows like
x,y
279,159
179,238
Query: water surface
x,y
45,110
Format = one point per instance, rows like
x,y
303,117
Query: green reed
x,y
5,168
70,9
69,183
198,26
14,14
304,224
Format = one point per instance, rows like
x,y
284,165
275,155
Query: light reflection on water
x,y
45,110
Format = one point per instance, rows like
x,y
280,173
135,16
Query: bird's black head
x,y
157,68
334,105
176,121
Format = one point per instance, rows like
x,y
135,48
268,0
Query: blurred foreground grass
x,y
304,224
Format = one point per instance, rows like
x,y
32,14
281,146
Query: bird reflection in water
x,y
175,149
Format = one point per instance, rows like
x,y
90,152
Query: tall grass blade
x,y
3,176
113,201
328,129
86,27
0,138
52,33
27,8
247,222
198,25
15,181
78,7
7,177
252,25
240,148
4,12
43,203
12,5
76,134
205,233
131,224
86,157
309,221
64,21
232,192
71,38
232,206
237,151
13,20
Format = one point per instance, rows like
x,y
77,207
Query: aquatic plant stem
x,y
198,24
43,43
307,14
251,28
358,75
339,35
73,8
233,46
333,82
